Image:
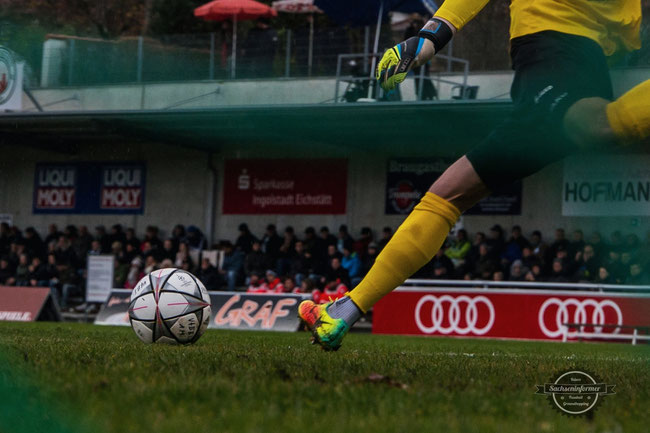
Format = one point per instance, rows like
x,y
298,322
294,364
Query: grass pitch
x,y
88,378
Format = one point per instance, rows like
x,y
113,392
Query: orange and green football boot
x,y
327,331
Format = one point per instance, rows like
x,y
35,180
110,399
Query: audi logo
x,y
459,314
551,325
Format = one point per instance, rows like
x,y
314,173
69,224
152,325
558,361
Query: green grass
x,y
270,382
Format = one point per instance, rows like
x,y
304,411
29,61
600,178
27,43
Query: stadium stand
x,y
309,261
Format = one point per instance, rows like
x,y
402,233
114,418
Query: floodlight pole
x,y
375,47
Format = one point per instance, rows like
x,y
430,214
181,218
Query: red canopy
x,y
221,10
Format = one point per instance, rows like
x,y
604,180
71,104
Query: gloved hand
x,y
399,60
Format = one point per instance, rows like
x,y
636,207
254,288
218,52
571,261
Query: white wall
x,y
178,186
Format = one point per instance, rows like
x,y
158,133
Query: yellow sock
x,y
629,115
413,245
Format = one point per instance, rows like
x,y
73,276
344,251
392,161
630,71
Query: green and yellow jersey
x,y
613,24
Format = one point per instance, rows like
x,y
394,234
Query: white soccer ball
x,y
169,306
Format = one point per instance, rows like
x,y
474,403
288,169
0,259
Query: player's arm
x,y
432,38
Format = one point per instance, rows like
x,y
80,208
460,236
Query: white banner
x,y
11,82
606,185
100,278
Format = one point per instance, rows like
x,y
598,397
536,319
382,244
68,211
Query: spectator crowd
x,y
319,262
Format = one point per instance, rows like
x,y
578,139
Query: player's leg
x,y
412,246
596,121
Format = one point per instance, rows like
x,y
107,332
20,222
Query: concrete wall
x,y
179,184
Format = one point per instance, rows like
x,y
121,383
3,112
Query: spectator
x,y
135,273
496,244
577,243
22,270
336,273
233,265
535,273
121,271
117,234
361,244
558,272
344,239
65,254
168,250
307,286
517,271
615,268
604,277
82,242
539,247
257,284
95,248
38,275
178,234
516,244
528,259
150,264
102,237
386,234
182,255
53,234
498,275
485,265
131,239
302,264
332,291
616,241
311,241
560,242
271,243
637,276
459,248
369,259
34,246
68,281
208,275
351,263
6,272
443,267
195,239
290,285
323,242
586,265
273,282
286,251
255,261
600,250
245,239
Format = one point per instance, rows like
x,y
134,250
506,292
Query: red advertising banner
x,y
22,304
285,186
507,313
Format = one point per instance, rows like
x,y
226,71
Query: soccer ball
x,y
169,306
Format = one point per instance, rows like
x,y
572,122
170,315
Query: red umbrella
x,y
222,10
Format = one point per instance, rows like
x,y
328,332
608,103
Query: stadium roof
x,y
449,128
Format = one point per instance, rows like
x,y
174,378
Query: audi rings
x,y
556,328
452,315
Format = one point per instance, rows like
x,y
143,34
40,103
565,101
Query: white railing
x,y
484,284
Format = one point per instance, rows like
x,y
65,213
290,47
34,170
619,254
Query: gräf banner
x,y
285,186
612,185
230,310
89,188
27,304
408,179
508,313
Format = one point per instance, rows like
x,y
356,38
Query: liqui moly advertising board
x,y
55,187
90,188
